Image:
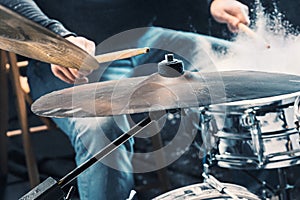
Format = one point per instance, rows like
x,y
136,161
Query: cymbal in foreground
x,y
24,37
156,93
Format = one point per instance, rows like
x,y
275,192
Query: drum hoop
x,y
265,135
260,109
260,101
243,192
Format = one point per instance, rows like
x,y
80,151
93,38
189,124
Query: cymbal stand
x,y
51,189
268,191
283,185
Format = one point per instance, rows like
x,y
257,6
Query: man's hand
x,y
69,75
230,12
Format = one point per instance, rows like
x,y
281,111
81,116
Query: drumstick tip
x,y
146,49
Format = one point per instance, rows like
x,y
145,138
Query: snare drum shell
x,y
279,137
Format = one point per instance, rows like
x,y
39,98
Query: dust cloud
x,y
248,53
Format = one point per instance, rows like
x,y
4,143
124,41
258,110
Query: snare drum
x,y
205,191
256,135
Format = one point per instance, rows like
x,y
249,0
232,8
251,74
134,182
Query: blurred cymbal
x,y
24,37
155,93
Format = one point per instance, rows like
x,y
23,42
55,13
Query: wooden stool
x,y
9,66
3,119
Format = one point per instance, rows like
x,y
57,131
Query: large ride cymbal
x,y
24,37
156,93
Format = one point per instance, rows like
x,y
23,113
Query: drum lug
x,y
209,128
250,121
297,114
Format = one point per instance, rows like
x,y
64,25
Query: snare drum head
x,y
205,191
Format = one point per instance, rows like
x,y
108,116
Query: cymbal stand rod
x,y
111,147
283,185
266,186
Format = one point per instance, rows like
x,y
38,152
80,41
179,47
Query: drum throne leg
x,y
9,67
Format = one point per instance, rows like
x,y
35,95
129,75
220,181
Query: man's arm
x,y
30,10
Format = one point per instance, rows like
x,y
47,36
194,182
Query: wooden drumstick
x,y
118,55
244,28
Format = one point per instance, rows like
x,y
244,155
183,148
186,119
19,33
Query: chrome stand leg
x,y
283,185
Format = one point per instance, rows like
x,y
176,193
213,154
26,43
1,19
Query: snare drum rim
x,y
237,108
261,101
264,135
209,194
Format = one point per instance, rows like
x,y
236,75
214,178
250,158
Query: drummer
x,y
86,134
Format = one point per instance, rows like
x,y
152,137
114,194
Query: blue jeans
x,y
89,135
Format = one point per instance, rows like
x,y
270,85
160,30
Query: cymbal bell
x,y
24,37
156,93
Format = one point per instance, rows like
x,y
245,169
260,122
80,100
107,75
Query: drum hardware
x,y
131,195
208,128
170,67
212,181
270,135
252,162
282,190
203,191
267,190
211,189
258,136
283,186
157,93
250,121
77,58
51,189
266,193
70,193
215,183
297,114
